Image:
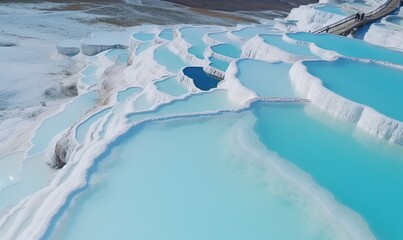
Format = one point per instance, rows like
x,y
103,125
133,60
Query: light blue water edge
x,y
265,79
171,86
375,85
194,36
277,41
183,191
349,46
249,32
143,36
83,128
120,56
167,34
227,49
365,178
169,59
53,125
218,64
127,93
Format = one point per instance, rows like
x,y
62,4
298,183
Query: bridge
x,y
351,23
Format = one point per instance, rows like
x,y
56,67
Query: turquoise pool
x,y
169,59
53,125
184,191
142,47
171,86
83,128
374,85
277,41
218,64
227,49
266,79
250,32
349,47
144,37
127,93
365,179
167,34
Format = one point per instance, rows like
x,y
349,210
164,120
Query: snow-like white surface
x,y
386,33
143,71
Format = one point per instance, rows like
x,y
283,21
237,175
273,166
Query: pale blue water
x,y
222,37
331,9
349,46
371,84
154,190
142,47
218,64
366,179
118,55
277,41
125,94
169,59
171,86
249,32
266,79
82,129
227,49
89,80
207,101
89,70
194,36
144,37
167,34
52,126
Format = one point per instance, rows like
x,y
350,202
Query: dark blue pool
x,y
202,80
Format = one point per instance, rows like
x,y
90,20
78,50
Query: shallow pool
x,y
127,93
89,70
167,34
227,49
249,32
169,59
142,47
166,184
144,37
82,129
171,86
53,125
89,80
194,36
265,79
349,46
118,55
198,103
374,85
222,37
277,41
366,179
218,64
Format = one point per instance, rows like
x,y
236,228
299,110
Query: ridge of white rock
x,y
377,124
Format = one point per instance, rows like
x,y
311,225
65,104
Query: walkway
x,y
349,24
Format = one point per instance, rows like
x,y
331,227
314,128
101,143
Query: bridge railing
x,y
351,17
